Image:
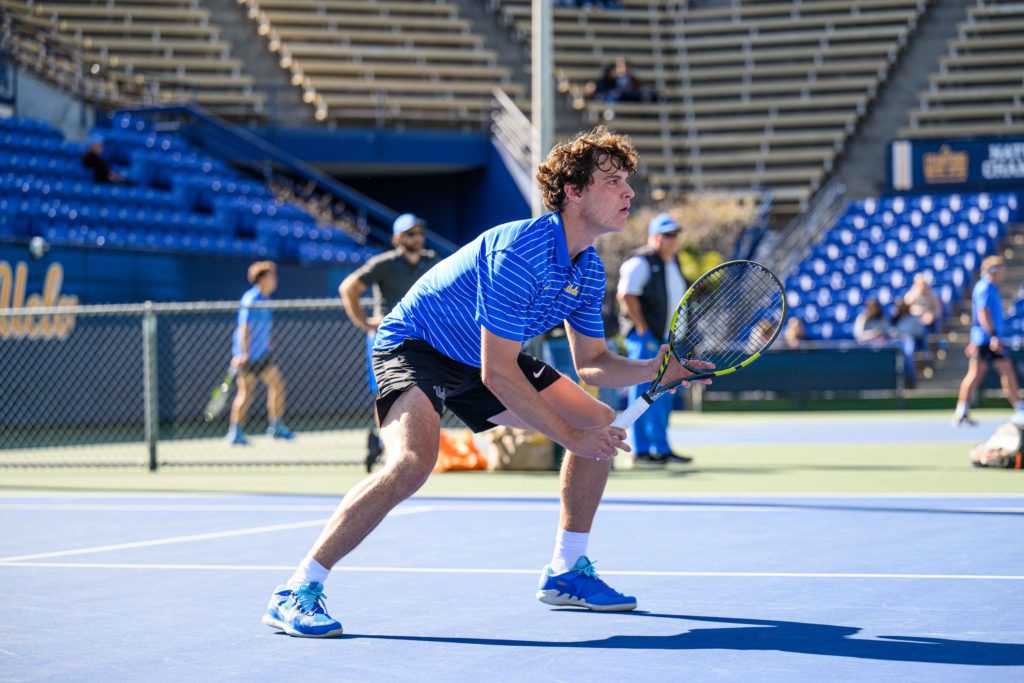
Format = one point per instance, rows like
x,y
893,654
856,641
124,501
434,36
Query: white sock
x,y
569,546
308,570
962,408
1020,406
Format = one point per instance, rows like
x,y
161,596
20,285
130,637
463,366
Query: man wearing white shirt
x,y
650,286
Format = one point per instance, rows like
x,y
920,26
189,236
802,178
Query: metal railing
x,y
126,386
783,252
513,134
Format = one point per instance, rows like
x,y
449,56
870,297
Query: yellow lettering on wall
x,y
13,285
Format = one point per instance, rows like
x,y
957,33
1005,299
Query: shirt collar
x,y
561,244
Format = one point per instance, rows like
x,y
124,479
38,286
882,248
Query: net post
x,y
149,369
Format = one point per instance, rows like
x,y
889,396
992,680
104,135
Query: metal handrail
x,y
785,252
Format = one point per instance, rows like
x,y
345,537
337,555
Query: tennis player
x,y
455,340
252,356
986,347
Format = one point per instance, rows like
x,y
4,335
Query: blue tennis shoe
x,y
582,587
278,430
236,437
301,612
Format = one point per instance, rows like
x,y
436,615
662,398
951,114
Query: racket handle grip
x,y
632,413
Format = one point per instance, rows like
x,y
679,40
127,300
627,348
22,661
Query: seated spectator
x,y
618,84
795,334
908,331
871,325
93,159
925,305
599,89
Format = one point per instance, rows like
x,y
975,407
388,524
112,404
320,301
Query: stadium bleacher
x,y
878,245
760,95
169,50
979,85
393,61
177,200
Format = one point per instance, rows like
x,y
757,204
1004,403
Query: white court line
x,y
607,506
191,537
463,570
611,498
440,507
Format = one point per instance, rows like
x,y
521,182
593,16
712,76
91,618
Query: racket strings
x,y
736,314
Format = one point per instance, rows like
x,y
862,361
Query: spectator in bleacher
x,y
795,334
598,89
252,357
907,329
925,304
986,347
391,274
93,159
871,325
650,282
618,84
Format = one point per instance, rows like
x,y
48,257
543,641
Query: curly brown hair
x,y
259,269
573,163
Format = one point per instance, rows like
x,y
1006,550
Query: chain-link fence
x,y
128,385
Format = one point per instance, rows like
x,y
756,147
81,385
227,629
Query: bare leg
x,y
976,370
582,479
1008,379
243,395
411,432
275,392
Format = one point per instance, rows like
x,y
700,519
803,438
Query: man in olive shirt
x,y
393,273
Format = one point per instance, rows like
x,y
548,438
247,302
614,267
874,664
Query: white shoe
x,y
965,421
1018,418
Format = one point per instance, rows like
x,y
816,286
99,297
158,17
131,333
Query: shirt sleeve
x,y
506,288
980,297
244,312
633,276
369,272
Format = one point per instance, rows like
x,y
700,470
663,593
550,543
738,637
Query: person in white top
x,y
650,287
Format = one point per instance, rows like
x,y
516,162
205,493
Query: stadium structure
x,y
882,139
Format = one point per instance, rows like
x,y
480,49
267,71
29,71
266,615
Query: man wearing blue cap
x,y
392,274
650,285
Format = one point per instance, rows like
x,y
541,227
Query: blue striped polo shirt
x,y
516,279
260,322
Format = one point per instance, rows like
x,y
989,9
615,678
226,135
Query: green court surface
x,y
848,453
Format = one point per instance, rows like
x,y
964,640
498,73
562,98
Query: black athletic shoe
x,y
673,458
647,460
373,449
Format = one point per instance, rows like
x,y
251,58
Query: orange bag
x,y
458,453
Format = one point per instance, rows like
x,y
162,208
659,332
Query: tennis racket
x,y
219,397
727,317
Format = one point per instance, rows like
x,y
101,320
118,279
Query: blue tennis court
x,y
172,587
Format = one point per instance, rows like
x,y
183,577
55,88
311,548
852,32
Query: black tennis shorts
x,y
256,367
446,382
985,353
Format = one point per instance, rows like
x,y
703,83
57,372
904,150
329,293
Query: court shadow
x,y
761,634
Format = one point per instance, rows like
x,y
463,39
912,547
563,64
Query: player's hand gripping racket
x,y
219,396
727,318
